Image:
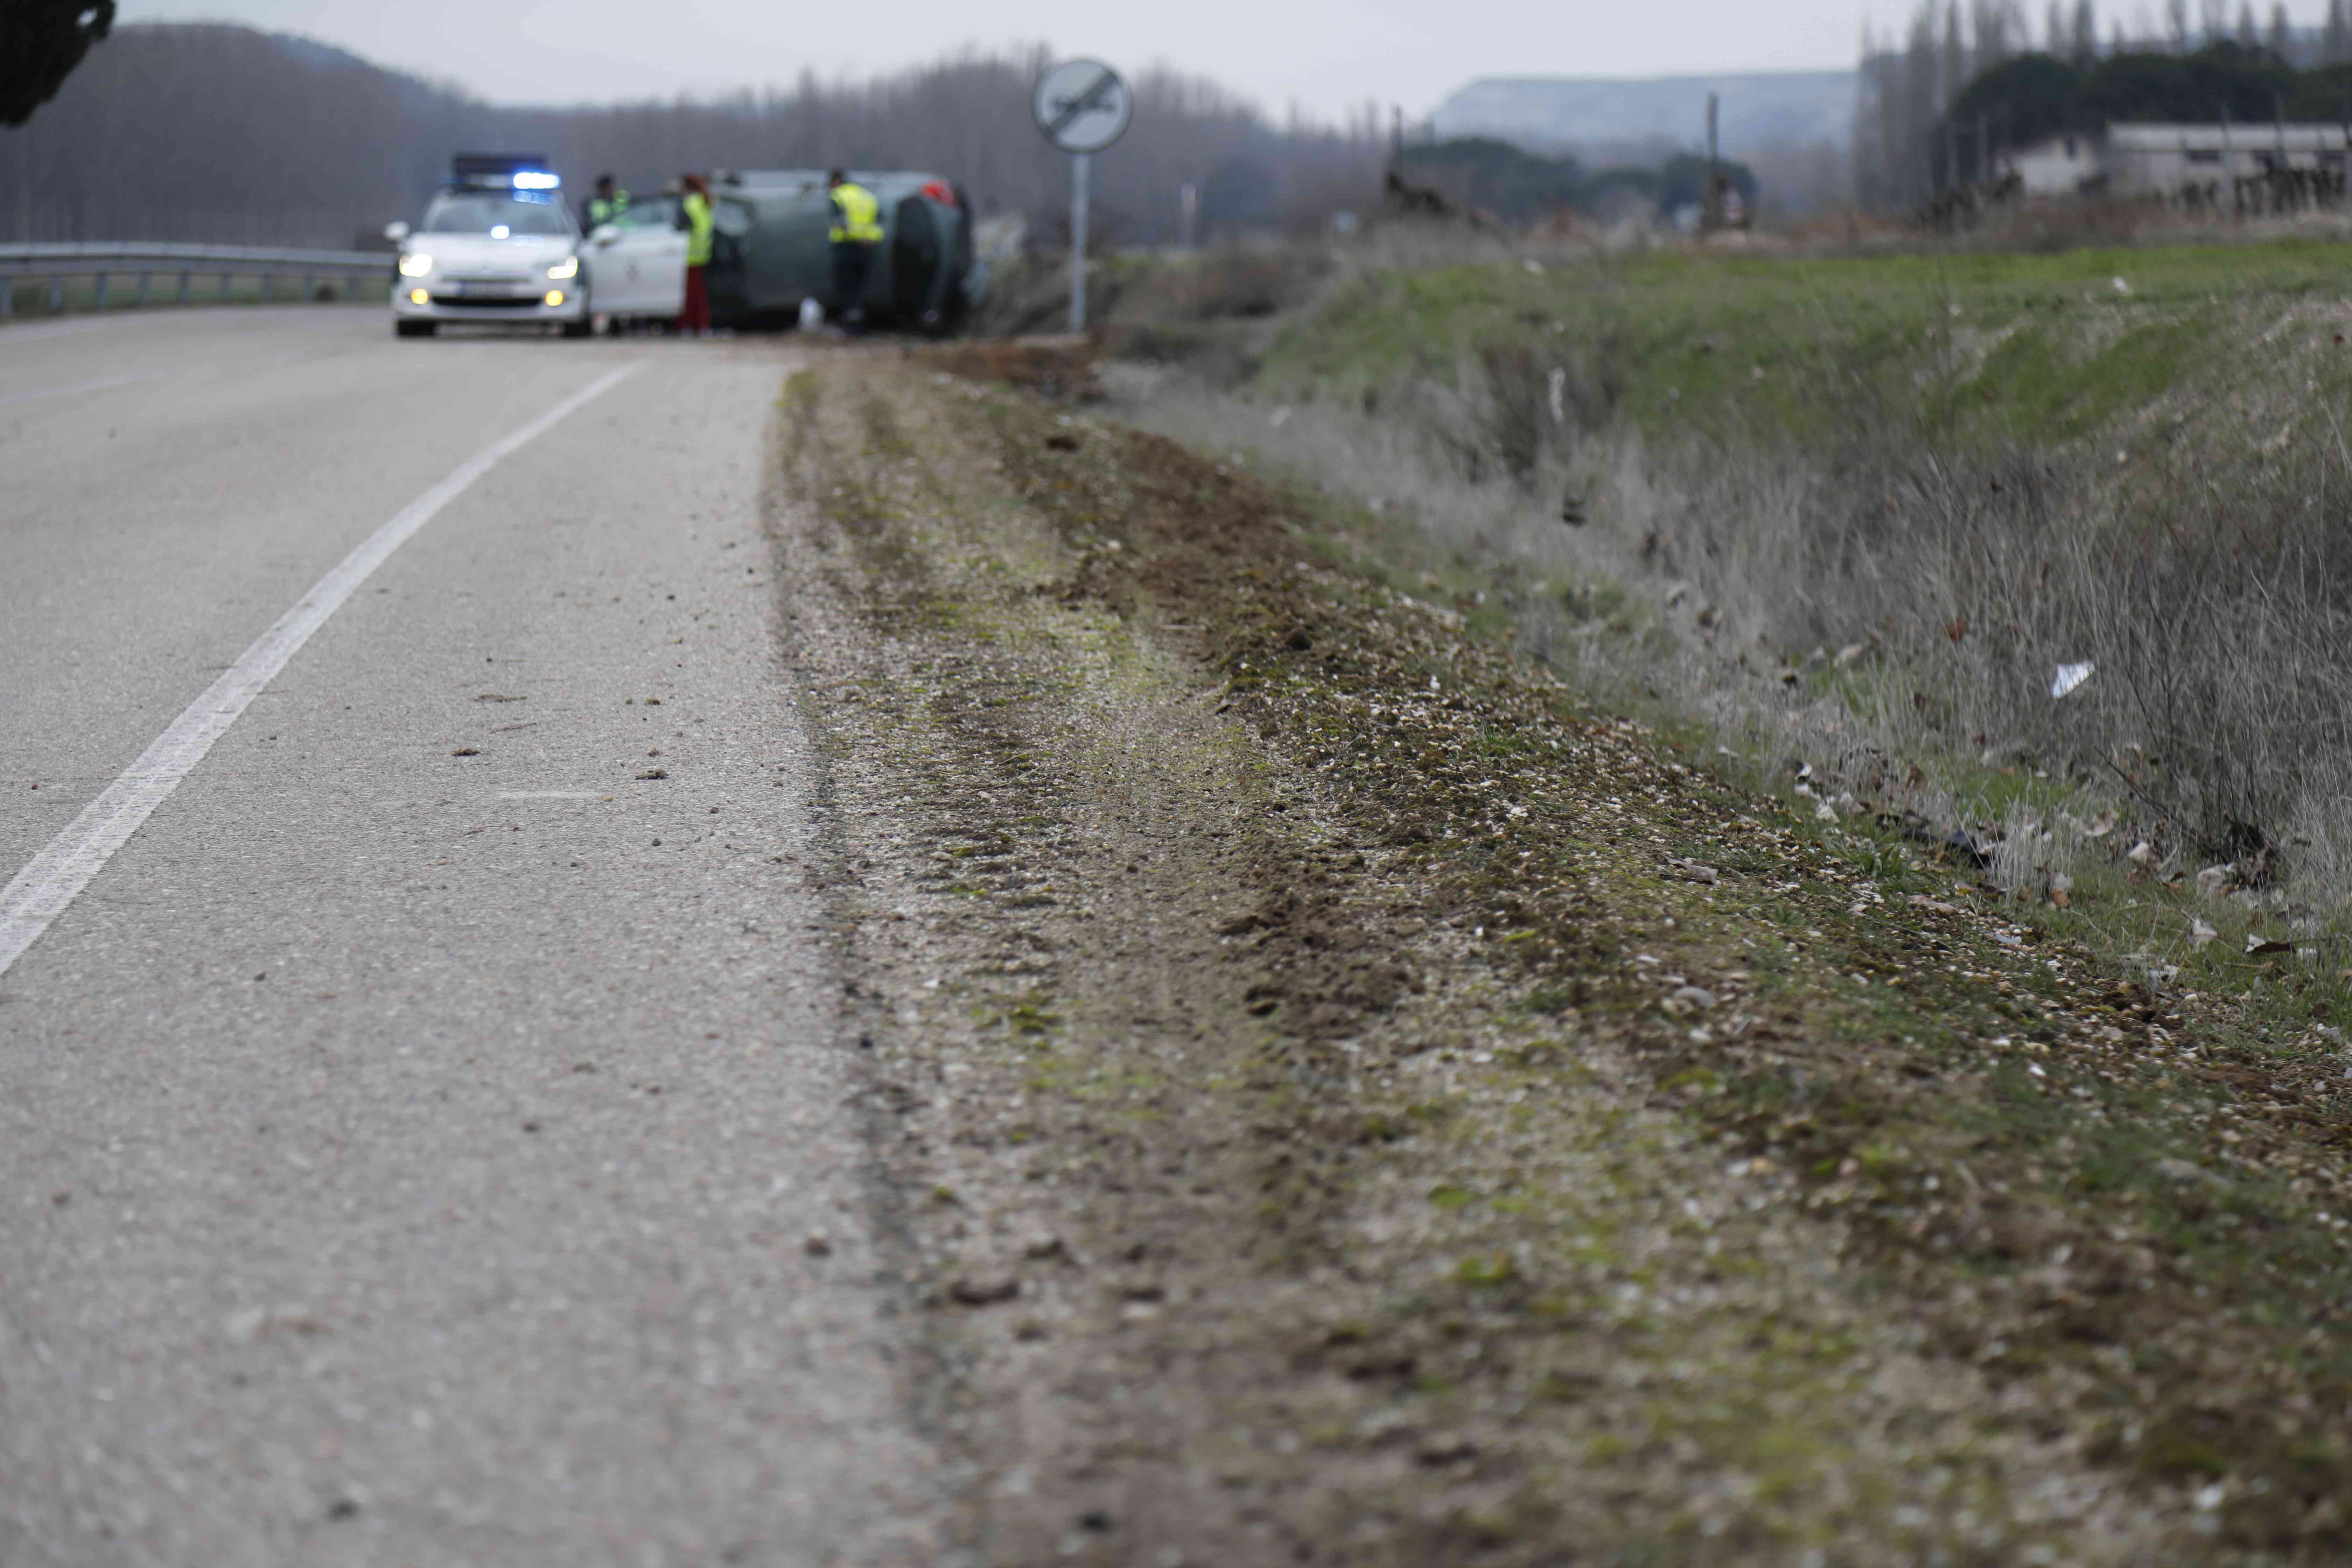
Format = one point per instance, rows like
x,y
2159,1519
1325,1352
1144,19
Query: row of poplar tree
x,y
1909,84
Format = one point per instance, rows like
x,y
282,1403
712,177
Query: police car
x,y
497,244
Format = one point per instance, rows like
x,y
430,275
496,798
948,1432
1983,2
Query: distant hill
x,y
1771,108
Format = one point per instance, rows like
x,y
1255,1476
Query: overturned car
x,y
771,251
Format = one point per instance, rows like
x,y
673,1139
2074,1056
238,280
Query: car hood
x,y
480,255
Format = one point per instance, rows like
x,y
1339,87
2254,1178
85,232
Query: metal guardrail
x,y
146,261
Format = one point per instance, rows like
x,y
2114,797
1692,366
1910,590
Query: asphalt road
x,y
413,1137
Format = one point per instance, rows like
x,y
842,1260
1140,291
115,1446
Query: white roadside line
x,y
98,384
37,332
55,876
33,332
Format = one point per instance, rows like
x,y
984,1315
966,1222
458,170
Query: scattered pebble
x,y
983,1290
1444,1448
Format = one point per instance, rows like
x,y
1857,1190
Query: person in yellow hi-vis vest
x,y
694,216
605,206
857,230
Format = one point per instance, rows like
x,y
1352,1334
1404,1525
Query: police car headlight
x,y
567,268
415,264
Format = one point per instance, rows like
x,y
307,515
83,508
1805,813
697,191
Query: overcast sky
x,y
1323,53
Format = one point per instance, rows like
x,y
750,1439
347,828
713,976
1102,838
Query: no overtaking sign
x,y
1083,106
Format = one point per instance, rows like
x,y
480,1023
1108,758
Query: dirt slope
x,y
1352,1102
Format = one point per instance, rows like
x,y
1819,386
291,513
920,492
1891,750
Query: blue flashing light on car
x,y
515,172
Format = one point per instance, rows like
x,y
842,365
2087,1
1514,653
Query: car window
x,y
650,211
492,212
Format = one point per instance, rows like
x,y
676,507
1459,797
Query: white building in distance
x,y
2162,160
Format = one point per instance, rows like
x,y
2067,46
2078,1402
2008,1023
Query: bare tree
x,y
2083,44
1990,30
2281,39
1954,66
206,132
2335,38
2176,25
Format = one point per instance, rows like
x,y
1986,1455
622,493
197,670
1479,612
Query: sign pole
x,y
1081,169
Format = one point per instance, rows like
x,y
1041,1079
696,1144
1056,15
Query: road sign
x,y
1083,106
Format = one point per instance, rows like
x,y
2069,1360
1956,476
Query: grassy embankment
x,y
1547,1214
2169,1204
1961,470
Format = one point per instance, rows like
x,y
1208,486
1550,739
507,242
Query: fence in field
x,y
146,271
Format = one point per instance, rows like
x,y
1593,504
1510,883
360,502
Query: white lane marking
x,y
98,383
35,333
55,876
552,795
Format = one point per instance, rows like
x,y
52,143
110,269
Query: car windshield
x,y
495,213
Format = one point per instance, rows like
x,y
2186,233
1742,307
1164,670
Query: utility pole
x,y
2228,163
2278,116
1710,202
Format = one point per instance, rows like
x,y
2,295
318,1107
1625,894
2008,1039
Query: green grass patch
x,y
2005,346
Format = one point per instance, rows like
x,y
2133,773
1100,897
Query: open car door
x,y
637,264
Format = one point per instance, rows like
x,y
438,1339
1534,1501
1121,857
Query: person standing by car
x,y
605,206
857,230
694,216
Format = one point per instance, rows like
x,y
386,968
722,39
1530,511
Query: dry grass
x,y
1890,605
